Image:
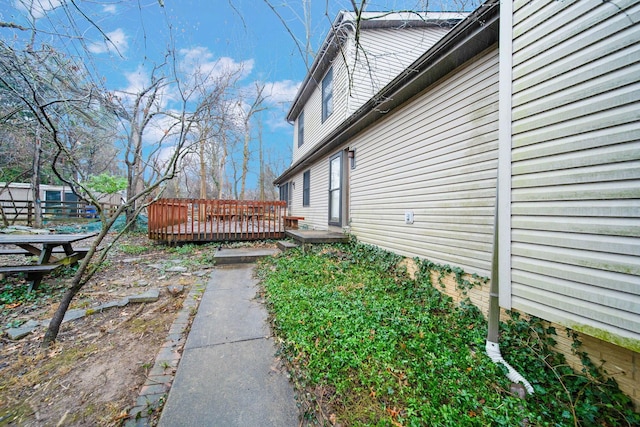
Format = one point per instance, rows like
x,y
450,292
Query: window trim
x,y
306,188
339,189
285,195
301,129
327,95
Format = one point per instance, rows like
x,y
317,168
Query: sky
x,y
247,34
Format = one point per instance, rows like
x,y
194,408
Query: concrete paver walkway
x,y
228,374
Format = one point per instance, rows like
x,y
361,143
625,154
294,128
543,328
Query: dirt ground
x,y
92,374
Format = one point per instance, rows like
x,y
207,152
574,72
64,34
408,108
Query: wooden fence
x,y
201,220
23,211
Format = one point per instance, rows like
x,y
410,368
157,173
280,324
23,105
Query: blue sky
x,y
214,33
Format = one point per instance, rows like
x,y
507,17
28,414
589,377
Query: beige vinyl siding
x,y
295,195
576,166
314,129
382,55
316,214
437,159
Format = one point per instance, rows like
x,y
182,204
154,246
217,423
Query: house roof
x,y
346,22
478,31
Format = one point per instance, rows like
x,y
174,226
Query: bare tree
x,y
52,87
137,112
247,112
213,123
160,167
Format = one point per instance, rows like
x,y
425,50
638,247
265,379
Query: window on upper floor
x,y
327,95
306,188
301,129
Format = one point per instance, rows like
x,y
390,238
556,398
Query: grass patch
x,y
15,293
134,249
370,346
195,255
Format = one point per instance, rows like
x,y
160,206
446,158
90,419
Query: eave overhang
x,y
343,25
478,31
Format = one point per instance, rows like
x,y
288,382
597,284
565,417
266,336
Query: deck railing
x,y
201,220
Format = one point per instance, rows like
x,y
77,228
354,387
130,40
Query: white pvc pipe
x,y
493,351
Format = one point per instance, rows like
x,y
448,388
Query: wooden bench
x,y
292,221
33,272
81,252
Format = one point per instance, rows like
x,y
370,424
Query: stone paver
x,y
75,314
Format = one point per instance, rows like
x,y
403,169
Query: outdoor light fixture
x,y
351,154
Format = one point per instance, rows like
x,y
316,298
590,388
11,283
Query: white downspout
x,y
503,187
492,347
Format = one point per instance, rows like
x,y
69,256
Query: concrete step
x,y
242,255
285,245
316,236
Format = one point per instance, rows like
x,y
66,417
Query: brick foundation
x,y
620,363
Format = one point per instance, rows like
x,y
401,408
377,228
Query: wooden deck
x,y
199,220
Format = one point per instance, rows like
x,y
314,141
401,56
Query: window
x,y
327,95
301,129
306,188
335,190
284,194
50,206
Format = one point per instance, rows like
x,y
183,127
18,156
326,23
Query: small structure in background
x,y
57,201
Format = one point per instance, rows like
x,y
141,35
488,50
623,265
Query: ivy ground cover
x,y
369,346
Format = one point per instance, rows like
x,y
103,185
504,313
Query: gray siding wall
x,y
576,165
436,157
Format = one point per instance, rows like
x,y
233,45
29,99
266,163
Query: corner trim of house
x,y
504,153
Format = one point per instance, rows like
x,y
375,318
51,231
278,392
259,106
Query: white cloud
x,y
160,128
137,80
116,39
277,122
161,125
37,8
281,92
199,63
110,8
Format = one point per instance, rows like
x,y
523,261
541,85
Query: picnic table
x,y
44,246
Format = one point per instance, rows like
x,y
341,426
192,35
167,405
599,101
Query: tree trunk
x,y
223,169
76,284
35,184
130,210
261,154
54,326
245,164
134,175
203,171
5,221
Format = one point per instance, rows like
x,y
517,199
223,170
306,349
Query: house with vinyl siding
x,y
533,104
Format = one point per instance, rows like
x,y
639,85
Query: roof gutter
x,y
471,36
